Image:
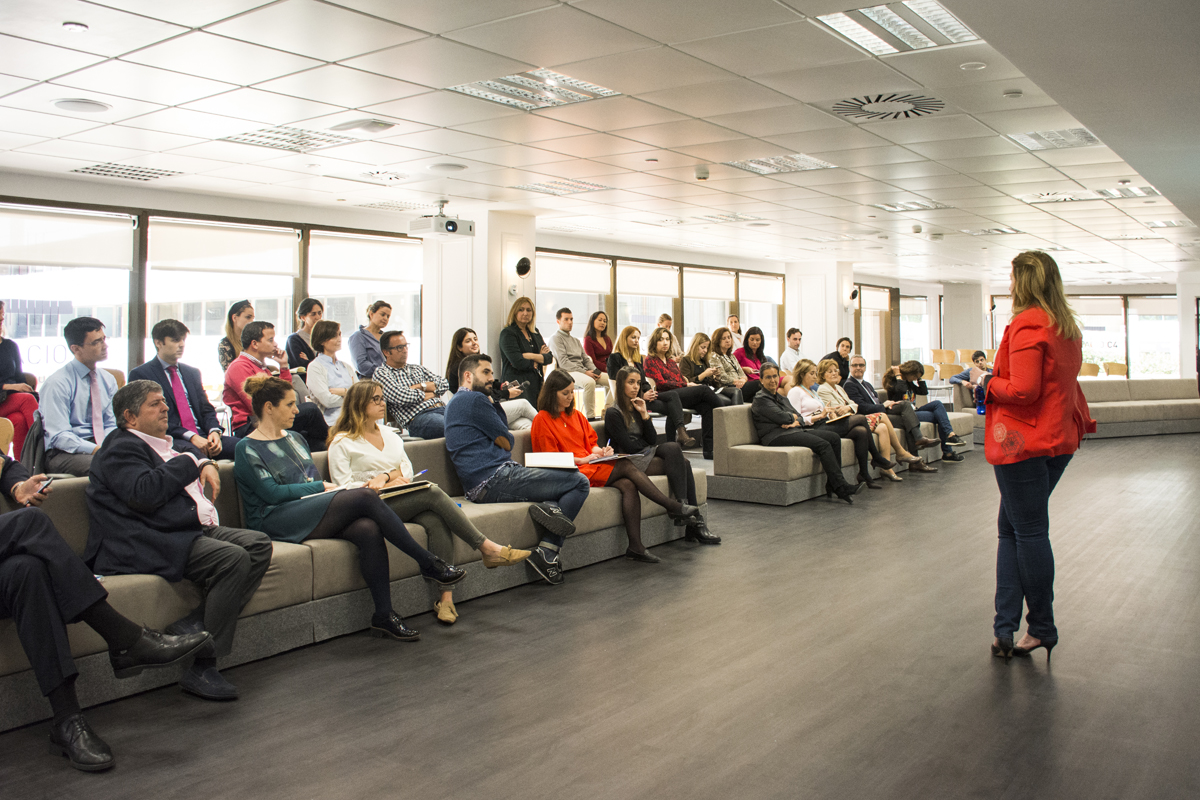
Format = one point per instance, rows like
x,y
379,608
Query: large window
x,y
348,273
580,284
760,299
644,291
60,265
874,307
914,329
707,295
1103,320
1153,337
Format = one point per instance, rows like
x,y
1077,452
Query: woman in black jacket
x,y
631,431
841,355
779,424
626,354
524,354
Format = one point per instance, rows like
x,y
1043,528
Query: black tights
x,y
858,430
631,482
361,518
669,460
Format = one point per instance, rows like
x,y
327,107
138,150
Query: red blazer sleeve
x,y
1022,385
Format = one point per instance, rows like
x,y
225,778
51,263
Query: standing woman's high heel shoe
x,y
1046,643
1003,647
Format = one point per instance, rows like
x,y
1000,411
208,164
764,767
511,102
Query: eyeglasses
x,y
396,347
376,398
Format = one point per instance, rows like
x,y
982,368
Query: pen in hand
x,y
419,474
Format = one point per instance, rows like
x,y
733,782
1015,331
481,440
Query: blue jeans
x,y
935,412
1024,559
429,424
512,483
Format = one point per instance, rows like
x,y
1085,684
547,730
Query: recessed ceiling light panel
x,y
726,218
561,187
1170,223
1001,231
126,171
296,140
899,27
529,91
365,125
1055,140
1090,194
773,165
910,205
398,205
897,105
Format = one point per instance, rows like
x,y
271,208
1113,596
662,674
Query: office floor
x,y
823,651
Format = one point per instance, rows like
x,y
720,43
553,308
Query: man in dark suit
x,y
149,515
191,419
904,417
44,586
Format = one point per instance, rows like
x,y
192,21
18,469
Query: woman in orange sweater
x,y
559,428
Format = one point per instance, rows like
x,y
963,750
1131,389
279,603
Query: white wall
x,y
963,323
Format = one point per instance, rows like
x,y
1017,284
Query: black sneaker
x,y
954,441
952,457
546,564
552,518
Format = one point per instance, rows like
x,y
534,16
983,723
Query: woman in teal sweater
x,y
284,496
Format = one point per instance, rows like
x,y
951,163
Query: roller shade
x,y
566,274
60,239
1153,306
333,255
914,306
703,284
761,289
647,280
223,248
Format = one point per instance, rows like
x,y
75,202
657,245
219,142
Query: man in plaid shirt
x,y
413,393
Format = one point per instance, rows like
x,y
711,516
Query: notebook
x,y
415,486
550,460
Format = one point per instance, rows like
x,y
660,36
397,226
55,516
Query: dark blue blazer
x,y
860,392
141,519
202,409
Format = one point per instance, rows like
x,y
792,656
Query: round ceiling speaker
x,y
446,166
81,105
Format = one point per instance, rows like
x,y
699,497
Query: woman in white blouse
x,y
363,452
327,378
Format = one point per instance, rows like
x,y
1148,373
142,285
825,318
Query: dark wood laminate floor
x,y
821,652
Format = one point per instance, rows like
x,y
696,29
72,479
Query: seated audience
x,y
669,381
76,401
979,360
779,424
841,355
665,322
750,357
559,428
628,354
729,374
258,344
413,393
901,416
328,377
596,341
480,447
191,420
696,368
857,427
18,400
365,452
631,431
44,586
569,355
906,382
300,350
735,331
519,411
149,515
524,355
239,316
364,342
284,495
791,354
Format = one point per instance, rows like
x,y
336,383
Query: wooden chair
x,y
943,356
964,356
6,436
930,371
1112,368
947,371
116,373
991,355
1089,371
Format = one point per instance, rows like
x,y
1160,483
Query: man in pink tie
x,y
193,420
76,401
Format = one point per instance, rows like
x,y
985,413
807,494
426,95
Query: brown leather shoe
x,y
506,558
924,443
921,466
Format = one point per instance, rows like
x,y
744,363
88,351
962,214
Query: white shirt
x,y
206,512
805,402
353,462
324,374
789,360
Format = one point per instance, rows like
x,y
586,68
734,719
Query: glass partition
x,y
644,292
707,295
580,284
1153,337
874,307
760,298
1103,321
914,330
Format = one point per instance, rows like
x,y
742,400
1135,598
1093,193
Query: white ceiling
x,y
701,82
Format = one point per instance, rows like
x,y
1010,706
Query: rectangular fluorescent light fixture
x,y
726,218
1001,231
129,173
942,20
1170,223
296,140
837,237
398,205
858,34
900,27
561,187
1055,140
1090,194
910,205
529,91
775,165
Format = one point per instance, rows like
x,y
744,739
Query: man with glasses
x,y
904,416
76,401
413,393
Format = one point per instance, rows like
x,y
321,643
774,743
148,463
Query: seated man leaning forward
x,y
979,360
413,393
149,516
480,447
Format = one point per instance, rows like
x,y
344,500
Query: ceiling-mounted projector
x,y
440,225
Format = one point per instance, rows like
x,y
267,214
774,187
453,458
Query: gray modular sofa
x,y
312,591
745,470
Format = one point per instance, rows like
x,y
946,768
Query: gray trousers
x,y
904,418
440,516
227,564
60,461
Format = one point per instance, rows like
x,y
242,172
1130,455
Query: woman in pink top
x,y
750,357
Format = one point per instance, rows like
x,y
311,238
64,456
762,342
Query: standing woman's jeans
x,y
1024,559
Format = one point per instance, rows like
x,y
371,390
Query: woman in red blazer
x,y
1036,418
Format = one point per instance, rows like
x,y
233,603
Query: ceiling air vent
x,y
296,140
910,205
398,205
561,187
530,91
126,171
992,231
797,162
888,106
377,177
1055,140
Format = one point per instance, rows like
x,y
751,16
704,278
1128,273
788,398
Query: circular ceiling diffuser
x,y
888,106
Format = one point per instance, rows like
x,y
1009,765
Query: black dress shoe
x,y
646,558
546,564
863,480
188,626
392,627
443,574
154,649
208,684
75,739
700,534
552,518
883,463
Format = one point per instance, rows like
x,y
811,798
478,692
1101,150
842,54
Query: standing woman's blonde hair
x,y
1038,283
631,355
516,306
353,420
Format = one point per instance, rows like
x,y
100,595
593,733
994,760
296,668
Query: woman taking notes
x,y
328,378
1036,418
364,452
283,496
560,428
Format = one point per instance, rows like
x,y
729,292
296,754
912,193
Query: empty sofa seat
x,y
1162,389
1105,391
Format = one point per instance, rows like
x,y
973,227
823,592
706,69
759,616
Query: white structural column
x,y
818,303
963,322
1187,290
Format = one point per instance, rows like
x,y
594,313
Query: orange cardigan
x,y
568,433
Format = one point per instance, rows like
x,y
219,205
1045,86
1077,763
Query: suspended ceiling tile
x,y
191,15
837,82
717,172
868,156
735,150
12,141
143,83
11,160
820,177
265,107
83,151
33,123
719,97
648,159
967,195
679,134
1006,177
378,154
781,194
826,140
929,129
936,67
316,30
443,109
134,138
110,32
1048,118
41,98
444,140
174,162
192,123
321,163
552,36
342,86
994,163
523,129
1114,171
438,62
595,144
856,188
672,21
794,118
967,148
791,46
936,182
1079,155
515,155
221,59
643,71
255,173
912,169
749,182
37,61
580,169
643,182
611,114
10,84
980,98
445,15
233,152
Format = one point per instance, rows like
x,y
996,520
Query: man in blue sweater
x,y
480,446
979,359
